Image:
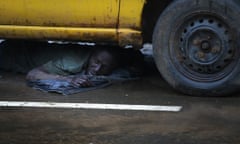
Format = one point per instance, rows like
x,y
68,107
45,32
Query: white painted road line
x,y
89,106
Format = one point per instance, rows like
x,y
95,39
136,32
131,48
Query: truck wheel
x,y
196,48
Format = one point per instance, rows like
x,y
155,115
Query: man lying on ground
x,y
101,61
73,65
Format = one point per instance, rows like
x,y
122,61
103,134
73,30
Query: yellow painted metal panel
x,y
131,13
124,37
85,20
129,28
59,33
129,37
65,13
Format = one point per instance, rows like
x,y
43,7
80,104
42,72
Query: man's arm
x,y
40,73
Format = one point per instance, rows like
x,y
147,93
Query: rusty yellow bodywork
x,y
116,21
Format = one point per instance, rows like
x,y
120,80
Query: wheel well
x,y
151,12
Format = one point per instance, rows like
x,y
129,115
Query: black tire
x,y
196,48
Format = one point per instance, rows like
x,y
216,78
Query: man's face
x,y
101,63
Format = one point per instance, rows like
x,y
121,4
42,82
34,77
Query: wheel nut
x,y
215,49
200,55
196,41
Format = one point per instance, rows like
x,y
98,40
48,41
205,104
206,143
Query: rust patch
x,y
130,38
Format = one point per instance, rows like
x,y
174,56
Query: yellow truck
x,y
195,42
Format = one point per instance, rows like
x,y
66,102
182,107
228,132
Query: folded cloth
x,y
67,88
64,87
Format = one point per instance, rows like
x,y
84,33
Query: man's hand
x,y
81,81
41,74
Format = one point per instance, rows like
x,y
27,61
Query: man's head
x,y
102,62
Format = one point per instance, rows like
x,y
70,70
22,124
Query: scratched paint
x,y
62,13
108,21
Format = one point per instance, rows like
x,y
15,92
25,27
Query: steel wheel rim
x,y
202,48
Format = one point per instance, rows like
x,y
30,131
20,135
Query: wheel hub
x,y
205,46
